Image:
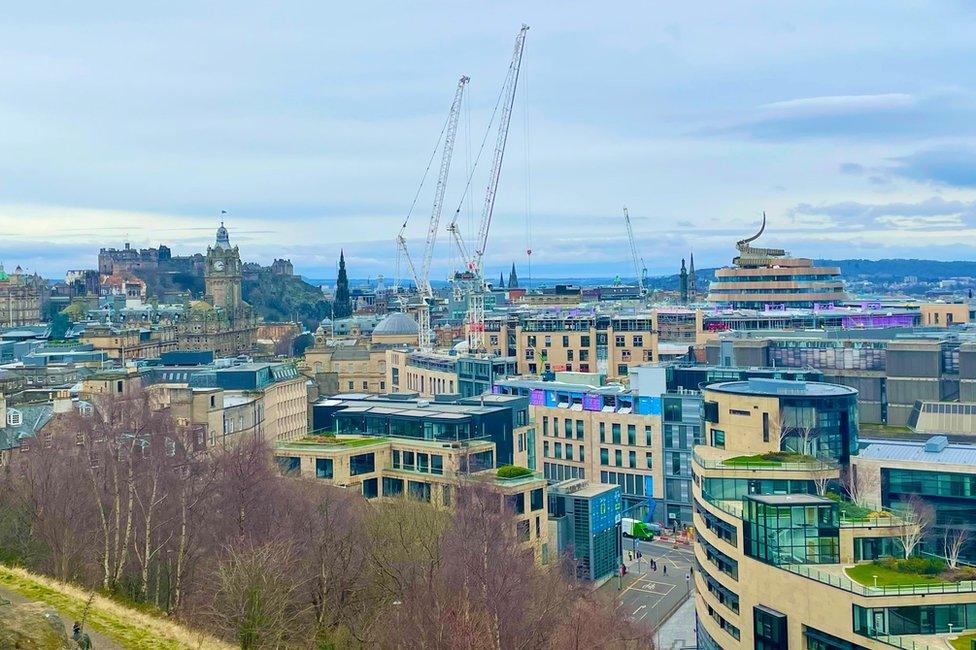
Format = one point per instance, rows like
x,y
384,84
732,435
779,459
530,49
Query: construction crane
x,y
640,270
422,278
471,280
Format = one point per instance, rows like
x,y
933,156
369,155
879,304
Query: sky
x,y
852,125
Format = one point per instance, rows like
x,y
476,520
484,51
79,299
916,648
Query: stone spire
x,y
501,280
692,281
683,283
513,278
341,304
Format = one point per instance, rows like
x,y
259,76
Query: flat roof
x,y
781,388
566,386
914,452
414,408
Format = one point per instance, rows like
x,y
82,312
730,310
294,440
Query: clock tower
x,y
222,275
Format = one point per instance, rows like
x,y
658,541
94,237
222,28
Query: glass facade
x,y
824,427
951,495
817,640
913,619
780,533
323,468
362,464
736,488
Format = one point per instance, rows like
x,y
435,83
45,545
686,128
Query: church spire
x,y
513,278
692,282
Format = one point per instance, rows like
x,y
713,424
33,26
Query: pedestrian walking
x,y
665,568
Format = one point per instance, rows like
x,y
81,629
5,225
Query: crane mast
x,y
422,278
472,278
639,269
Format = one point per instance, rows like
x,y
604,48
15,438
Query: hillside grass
x,y
127,627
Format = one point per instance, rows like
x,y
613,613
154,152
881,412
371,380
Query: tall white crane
x,y
472,280
422,278
640,270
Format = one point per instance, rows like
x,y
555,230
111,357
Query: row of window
x,y
618,456
721,529
936,484
732,630
720,560
725,596
557,472
630,484
418,461
558,450
620,340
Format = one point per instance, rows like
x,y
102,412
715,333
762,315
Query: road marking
x,y
639,609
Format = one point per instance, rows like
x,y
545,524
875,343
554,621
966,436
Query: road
x,y
648,596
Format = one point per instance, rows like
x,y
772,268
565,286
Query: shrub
x,y
513,471
920,565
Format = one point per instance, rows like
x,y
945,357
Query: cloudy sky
x,y
853,125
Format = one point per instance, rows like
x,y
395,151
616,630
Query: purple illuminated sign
x,y
592,403
537,397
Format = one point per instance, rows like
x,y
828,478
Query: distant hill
x,y
285,298
896,269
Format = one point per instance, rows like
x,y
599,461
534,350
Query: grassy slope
x,y
127,627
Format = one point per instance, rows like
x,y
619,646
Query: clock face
x,y
218,265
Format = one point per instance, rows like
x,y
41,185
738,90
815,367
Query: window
x,y
545,425
618,458
436,464
548,341
545,448
323,468
446,495
718,438
568,428
362,464
770,629
579,429
419,490
566,342
536,499
289,465
392,487
569,451
649,459
620,340
638,341
631,434
350,386
615,431
604,456
585,340
581,456
648,435
371,488
632,458
559,450
603,432
365,385
765,427
516,503
531,341
622,369
569,355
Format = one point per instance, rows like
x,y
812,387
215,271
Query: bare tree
x,y
918,517
954,538
257,595
821,480
860,486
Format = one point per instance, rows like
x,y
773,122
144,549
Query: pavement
x,y
647,596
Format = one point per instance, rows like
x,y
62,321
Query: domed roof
x,y
397,324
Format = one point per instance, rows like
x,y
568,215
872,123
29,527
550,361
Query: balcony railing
x,y
841,582
812,465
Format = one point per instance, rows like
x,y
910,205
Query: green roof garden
x,y
335,442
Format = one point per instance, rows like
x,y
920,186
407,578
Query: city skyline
x,y
850,129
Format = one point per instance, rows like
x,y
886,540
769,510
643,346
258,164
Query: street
x,y
651,596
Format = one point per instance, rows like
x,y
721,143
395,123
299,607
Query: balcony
x,y
711,458
835,576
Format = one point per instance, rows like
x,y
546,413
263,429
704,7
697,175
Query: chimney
x,y
62,402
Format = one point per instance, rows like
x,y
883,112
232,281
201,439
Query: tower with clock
x,y
222,274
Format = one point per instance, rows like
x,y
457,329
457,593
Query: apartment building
x,y
777,563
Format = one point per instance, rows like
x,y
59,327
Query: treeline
x,y
123,501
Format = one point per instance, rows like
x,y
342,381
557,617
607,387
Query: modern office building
x,y
606,433
768,276
891,368
501,419
585,518
426,469
681,427
776,561
893,473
